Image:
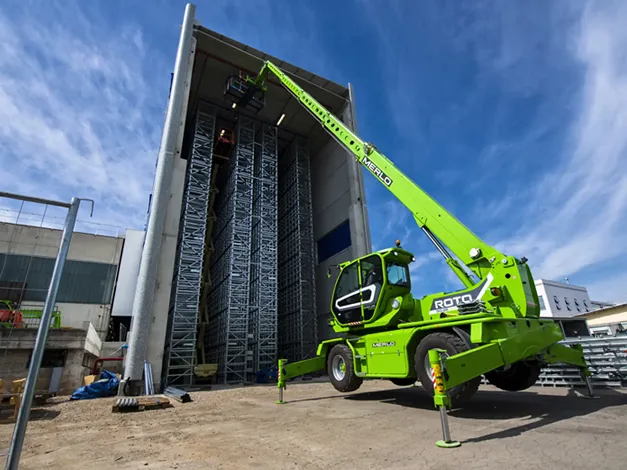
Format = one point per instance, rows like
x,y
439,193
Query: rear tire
x,y
452,344
340,368
403,382
518,376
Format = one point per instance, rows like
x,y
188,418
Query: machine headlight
x,y
395,304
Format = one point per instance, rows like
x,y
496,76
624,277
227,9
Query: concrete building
x,y
94,301
68,357
328,189
27,256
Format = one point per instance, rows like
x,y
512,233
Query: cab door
x,y
358,290
347,295
371,271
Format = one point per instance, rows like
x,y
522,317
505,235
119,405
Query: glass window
x,y
347,299
577,305
557,302
541,300
371,272
349,281
398,274
567,303
585,304
83,282
335,241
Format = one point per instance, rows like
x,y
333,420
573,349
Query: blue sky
x,y
512,114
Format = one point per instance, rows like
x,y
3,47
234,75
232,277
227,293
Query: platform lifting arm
x,y
442,228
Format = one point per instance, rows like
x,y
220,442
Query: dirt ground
x,y
379,426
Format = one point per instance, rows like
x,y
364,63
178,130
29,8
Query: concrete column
x,y
146,282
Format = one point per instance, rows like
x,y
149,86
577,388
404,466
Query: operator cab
x,y
365,286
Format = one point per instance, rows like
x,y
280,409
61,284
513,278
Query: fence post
x,y
19,431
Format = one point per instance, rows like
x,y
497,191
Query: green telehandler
x,y
492,327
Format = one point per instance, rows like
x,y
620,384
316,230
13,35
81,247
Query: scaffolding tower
x,y
263,276
297,323
228,306
186,285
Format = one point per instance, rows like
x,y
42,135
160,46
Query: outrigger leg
x,y
296,369
440,397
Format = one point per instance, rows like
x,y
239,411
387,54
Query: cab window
x,y
398,275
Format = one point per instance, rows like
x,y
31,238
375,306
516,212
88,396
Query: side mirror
x,y
329,269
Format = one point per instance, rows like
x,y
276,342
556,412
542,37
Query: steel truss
x,y
228,306
297,323
183,318
263,280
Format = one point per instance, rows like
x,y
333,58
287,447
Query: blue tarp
x,y
106,386
266,375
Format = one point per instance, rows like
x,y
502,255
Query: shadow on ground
x,y
36,414
539,409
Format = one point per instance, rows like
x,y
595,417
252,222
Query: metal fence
x,y
606,358
607,362
23,237
12,316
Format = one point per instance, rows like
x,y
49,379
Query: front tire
x,y
341,370
452,344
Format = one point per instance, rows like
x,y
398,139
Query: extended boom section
x,y
491,328
427,212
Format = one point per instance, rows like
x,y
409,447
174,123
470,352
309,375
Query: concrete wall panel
x,y
44,242
127,274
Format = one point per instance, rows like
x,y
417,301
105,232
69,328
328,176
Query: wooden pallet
x,y
129,404
13,399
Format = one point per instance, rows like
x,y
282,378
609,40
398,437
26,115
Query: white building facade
x,y
558,299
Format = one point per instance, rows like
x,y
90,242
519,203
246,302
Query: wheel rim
x,y
338,367
429,370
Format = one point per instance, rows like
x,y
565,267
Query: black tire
x,y
519,376
348,381
403,382
452,344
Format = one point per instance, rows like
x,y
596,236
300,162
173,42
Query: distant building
x,y
86,312
596,304
86,291
558,299
610,320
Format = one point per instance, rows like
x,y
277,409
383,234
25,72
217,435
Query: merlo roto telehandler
x,y
492,327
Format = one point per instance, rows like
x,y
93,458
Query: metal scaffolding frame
x,y
263,277
246,247
228,306
297,323
186,285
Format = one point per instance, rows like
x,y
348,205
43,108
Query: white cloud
x,y
567,213
389,221
80,114
584,200
82,94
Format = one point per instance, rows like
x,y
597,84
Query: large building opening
x,y
265,186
